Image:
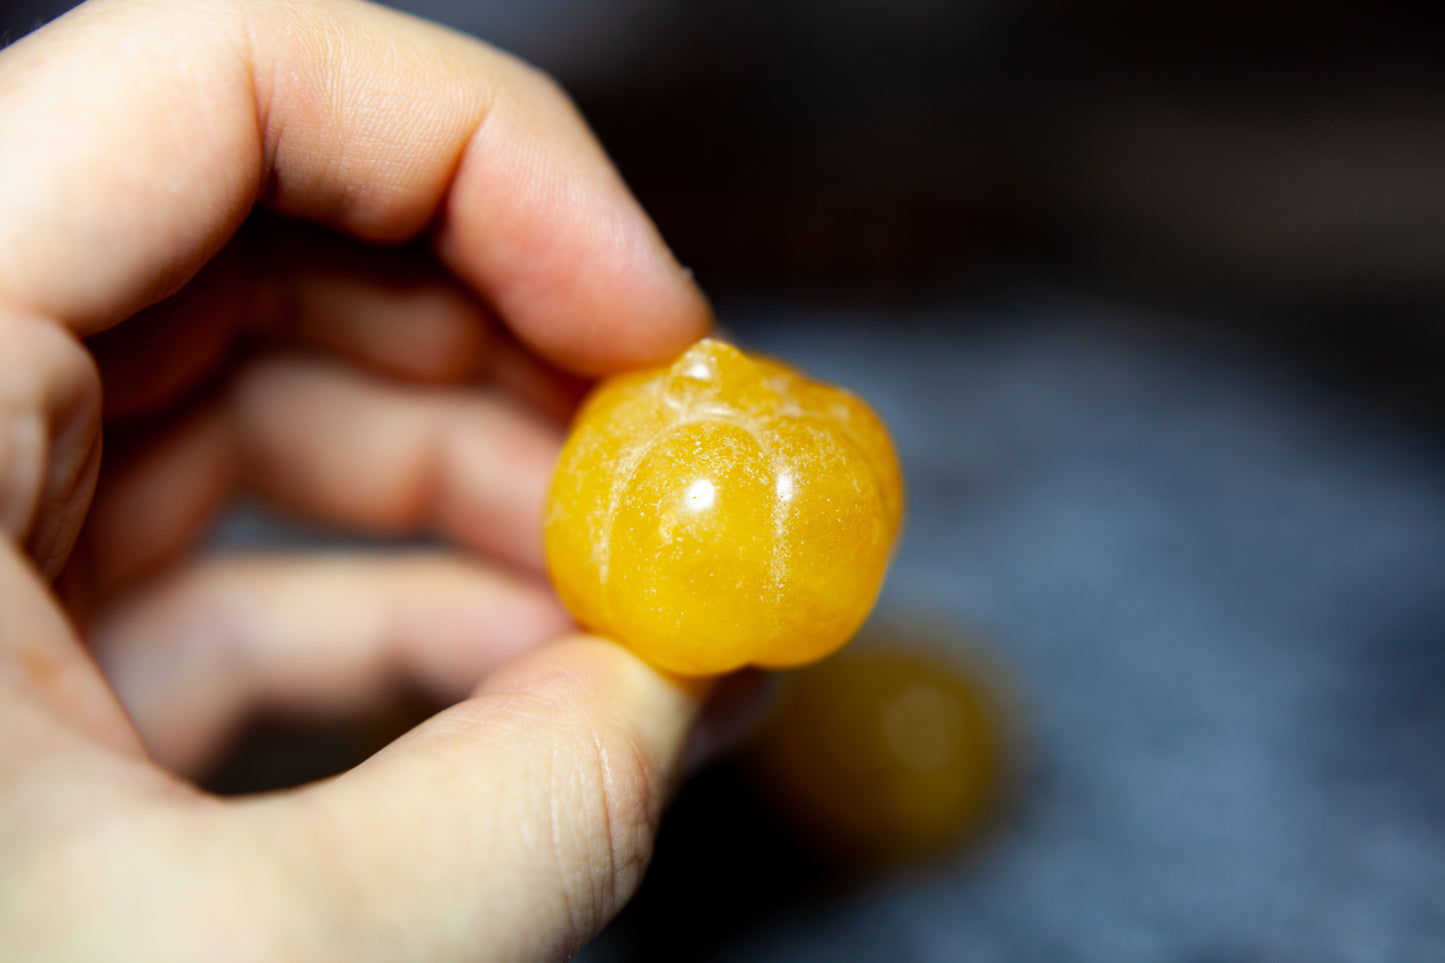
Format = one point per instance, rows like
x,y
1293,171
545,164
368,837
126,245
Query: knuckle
x,y
605,807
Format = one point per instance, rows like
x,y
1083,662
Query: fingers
x,y
195,655
49,437
180,117
153,503
392,310
333,445
169,349
510,827
430,332
388,310
341,447
44,668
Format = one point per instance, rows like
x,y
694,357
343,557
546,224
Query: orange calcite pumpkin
x,y
723,511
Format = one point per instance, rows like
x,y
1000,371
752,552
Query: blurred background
x,y
1153,296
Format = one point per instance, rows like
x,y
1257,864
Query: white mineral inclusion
x,y
700,495
700,370
786,487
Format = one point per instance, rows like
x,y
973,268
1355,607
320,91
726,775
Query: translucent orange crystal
x,y
884,755
723,511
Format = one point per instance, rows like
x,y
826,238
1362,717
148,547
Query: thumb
x,y
510,827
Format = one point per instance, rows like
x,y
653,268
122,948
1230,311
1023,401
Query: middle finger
x,y
334,445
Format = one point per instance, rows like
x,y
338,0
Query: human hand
x,y
138,136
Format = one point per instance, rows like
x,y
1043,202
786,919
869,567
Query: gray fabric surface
x,y
1219,591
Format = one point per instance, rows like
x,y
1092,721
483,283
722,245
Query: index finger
x,y
139,135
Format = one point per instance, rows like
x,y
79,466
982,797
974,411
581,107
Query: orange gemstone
x,y
723,511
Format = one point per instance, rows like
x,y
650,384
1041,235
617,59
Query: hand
x,y
138,137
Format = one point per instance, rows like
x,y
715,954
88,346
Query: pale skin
x,y
138,138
